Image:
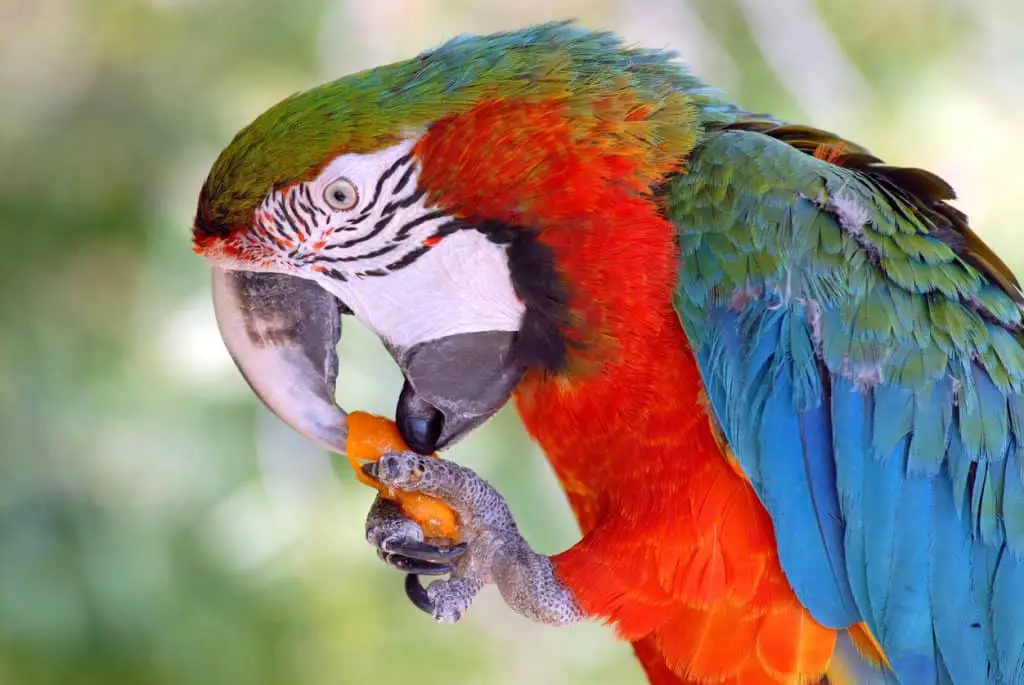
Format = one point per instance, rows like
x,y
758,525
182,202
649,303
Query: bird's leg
x,y
492,551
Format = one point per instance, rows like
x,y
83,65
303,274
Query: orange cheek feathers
x,y
369,438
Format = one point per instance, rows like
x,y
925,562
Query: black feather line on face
x,y
404,159
541,339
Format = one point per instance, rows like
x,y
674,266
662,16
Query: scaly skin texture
x,y
626,428
861,352
496,553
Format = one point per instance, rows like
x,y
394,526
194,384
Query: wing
x,y
862,350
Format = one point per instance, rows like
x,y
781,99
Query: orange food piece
x,y
369,438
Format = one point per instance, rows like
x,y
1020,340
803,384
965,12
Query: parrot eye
x,y
341,194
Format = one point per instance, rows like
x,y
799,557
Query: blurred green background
x,y
156,525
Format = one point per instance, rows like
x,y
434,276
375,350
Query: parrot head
x,y
444,202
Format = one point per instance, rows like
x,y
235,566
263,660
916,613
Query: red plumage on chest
x,y
677,551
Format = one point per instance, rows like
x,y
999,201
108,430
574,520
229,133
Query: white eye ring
x,y
341,194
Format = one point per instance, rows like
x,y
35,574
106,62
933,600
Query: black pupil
x,y
340,196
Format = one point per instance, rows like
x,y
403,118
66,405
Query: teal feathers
x,y
862,349
863,353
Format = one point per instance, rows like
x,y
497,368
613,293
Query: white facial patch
x,y
407,270
461,285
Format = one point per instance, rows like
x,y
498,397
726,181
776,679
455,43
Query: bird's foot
x,y
492,550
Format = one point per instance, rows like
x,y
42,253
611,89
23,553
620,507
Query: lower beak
x,y
454,384
282,332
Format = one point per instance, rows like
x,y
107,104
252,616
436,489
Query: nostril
x,y
419,422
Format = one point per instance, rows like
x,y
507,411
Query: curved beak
x,y
454,384
282,331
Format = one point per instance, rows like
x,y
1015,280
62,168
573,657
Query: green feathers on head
x,y
364,112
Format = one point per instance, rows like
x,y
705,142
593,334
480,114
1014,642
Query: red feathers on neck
x,y
701,591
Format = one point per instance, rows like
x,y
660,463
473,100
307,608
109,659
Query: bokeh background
x,y
157,526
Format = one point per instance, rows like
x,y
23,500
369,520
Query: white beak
x,y
282,332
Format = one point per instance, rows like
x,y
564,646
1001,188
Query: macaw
x,y
780,381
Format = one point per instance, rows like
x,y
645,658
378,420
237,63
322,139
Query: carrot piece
x,y
369,438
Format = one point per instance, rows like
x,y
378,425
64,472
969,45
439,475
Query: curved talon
x,y
418,594
422,551
400,544
494,552
417,566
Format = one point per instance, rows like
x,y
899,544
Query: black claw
x,y
415,549
370,469
410,565
417,594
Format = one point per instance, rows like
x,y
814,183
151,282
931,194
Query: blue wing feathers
x,y
983,567
929,441
956,613
851,441
815,436
991,505
882,491
851,410
1008,616
906,616
813,538
992,419
893,418
870,384
1013,505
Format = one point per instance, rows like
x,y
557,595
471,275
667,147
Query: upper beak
x,y
282,332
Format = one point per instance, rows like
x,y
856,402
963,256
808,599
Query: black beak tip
x,y
422,434
419,422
